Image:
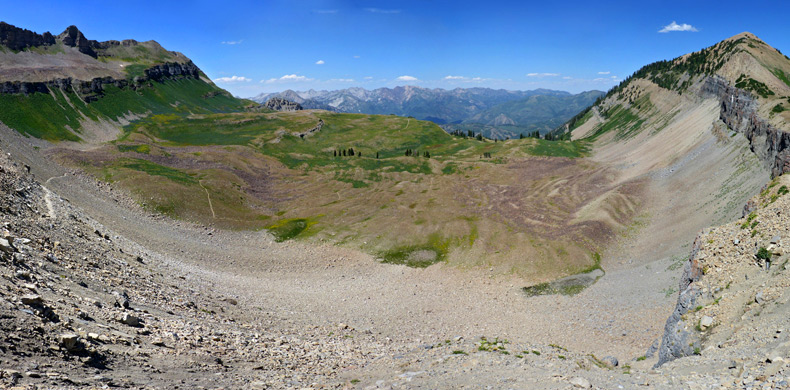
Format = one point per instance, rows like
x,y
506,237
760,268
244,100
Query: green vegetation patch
x,y
571,149
620,119
418,256
782,76
570,285
753,85
41,115
286,229
155,169
142,148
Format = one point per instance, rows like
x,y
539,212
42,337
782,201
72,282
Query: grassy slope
x,y
56,116
406,209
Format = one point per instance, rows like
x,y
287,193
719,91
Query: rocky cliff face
x,y
170,70
677,341
93,89
280,104
16,38
739,112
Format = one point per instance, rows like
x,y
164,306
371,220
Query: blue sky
x,y
250,47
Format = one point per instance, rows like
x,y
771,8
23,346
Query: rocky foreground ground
x,y
82,307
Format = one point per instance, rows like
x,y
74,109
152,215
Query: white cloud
x,y
382,11
368,77
542,74
289,78
325,11
677,27
356,56
406,78
232,79
233,42
465,79
320,62
340,81
567,78
607,72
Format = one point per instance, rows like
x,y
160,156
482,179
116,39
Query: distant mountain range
x,y
494,112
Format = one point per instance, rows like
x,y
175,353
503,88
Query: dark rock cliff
x,y
73,37
16,38
677,342
738,109
93,89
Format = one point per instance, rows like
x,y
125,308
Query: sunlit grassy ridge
x,y
57,116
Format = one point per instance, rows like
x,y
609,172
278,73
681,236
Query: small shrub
x,y
763,254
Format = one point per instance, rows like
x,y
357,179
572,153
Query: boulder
x,y
580,383
69,341
32,300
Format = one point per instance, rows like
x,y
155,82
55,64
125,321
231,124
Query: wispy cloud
x,y
232,79
356,57
289,78
368,77
607,72
340,81
320,62
406,78
677,27
542,74
382,11
567,78
464,79
233,42
324,11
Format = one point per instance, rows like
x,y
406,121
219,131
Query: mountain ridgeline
x,y
736,92
493,113
51,85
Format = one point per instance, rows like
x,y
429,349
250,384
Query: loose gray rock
x,y
5,246
705,322
611,361
130,320
32,300
69,341
580,383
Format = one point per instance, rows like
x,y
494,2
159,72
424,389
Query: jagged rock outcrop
x,y
93,89
16,38
739,112
677,342
73,37
313,130
171,70
280,104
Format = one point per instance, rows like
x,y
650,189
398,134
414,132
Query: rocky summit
x,y
280,104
